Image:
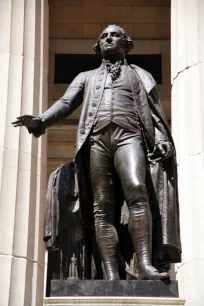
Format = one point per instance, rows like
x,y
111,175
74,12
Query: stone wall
x,y
143,19
23,159
188,132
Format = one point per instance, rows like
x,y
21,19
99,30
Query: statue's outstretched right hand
x,y
32,122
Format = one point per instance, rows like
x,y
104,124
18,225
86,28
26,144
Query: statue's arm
x,y
157,109
67,104
72,98
161,134
163,140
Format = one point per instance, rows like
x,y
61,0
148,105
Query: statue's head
x,y
113,40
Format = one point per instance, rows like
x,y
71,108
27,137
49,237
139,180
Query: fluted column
x,y
23,90
187,22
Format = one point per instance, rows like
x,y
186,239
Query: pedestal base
x,y
94,288
113,293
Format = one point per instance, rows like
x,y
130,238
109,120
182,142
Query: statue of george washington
x,y
122,136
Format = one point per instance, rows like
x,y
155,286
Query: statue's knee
x,y
104,212
137,194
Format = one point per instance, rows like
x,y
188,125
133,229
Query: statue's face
x,y
112,41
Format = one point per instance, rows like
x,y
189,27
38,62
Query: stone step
x,y
112,301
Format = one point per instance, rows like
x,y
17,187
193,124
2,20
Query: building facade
x,y
32,34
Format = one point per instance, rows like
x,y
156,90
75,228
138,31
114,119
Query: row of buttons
x,y
90,121
82,131
113,98
98,86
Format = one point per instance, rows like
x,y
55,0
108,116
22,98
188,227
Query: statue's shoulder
x,y
146,78
90,73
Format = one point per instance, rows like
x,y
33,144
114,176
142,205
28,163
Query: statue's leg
x,y
130,163
101,169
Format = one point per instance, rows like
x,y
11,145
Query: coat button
x,y
90,114
82,131
93,104
98,86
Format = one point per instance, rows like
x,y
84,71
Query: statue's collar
x,y
107,64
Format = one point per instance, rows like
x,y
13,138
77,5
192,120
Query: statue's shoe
x,y
113,277
164,275
150,273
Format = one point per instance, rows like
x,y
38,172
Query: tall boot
x,y
107,241
139,227
111,269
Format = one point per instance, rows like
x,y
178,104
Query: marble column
x,y
187,24
23,165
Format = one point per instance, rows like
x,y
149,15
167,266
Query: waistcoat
x,y
117,104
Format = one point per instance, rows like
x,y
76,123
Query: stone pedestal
x,y
139,288
116,293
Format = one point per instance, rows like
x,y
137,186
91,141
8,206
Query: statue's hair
x,y
128,40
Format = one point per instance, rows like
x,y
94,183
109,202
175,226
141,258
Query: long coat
x,y
87,88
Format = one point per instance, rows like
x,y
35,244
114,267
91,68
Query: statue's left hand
x,y
164,149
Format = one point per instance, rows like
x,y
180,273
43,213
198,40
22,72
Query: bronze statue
x,y
122,136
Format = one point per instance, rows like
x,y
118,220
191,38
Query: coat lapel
x,y
141,104
147,79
